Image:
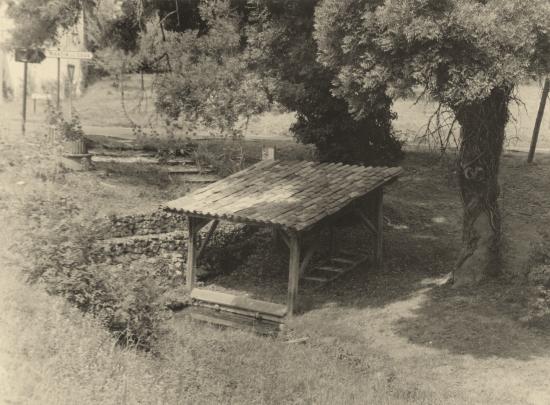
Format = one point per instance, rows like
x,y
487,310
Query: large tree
x,y
468,55
282,49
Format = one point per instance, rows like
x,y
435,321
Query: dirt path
x,y
515,371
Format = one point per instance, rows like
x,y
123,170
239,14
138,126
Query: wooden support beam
x,y
200,223
191,249
194,225
538,121
293,274
379,215
284,237
208,236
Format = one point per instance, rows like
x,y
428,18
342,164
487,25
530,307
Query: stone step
x,y
187,170
145,159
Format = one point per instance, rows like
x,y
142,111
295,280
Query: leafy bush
x,y
127,299
70,130
225,157
167,143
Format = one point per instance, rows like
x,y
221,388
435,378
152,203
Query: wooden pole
x,y
379,225
24,118
293,274
191,258
538,121
58,83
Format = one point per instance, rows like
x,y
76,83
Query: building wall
x,y
42,77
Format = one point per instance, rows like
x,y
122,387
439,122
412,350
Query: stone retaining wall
x,y
157,222
159,237
110,250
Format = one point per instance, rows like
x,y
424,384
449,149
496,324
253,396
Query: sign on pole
x,y
63,54
29,55
26,56
58,53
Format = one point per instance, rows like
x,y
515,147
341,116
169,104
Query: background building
x,y
42,78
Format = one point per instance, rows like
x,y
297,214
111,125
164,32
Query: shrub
x,y
127,299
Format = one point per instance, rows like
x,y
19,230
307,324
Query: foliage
x,y
468,55
226,157
38,21
458,50
283,50
205,81
66,130
58,242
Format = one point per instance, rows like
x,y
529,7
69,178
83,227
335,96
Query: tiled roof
x,y
293,195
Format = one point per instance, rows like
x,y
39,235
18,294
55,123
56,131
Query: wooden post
x,y
538,121
379,217
24,113
58,101
331,239
191,257
293,274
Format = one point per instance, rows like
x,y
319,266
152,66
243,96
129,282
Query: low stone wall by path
x,y
156,222
110,250
158,238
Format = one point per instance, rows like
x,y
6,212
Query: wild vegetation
x,y
460,53
371,335
395,334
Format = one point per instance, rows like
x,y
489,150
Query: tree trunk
x,y
482,137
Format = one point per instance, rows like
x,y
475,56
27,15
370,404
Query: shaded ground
x,y
452,340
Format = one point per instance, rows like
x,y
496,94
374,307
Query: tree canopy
x,y
469,55
282,48
458,50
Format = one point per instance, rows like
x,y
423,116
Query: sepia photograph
x,y
277,202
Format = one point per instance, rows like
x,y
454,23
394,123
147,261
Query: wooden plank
x,y
353,253
191,258
343,260
293,274
314,278
235,321
241,302
331,268
241,312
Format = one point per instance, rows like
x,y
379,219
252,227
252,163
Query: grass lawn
x,y
390,335
101,106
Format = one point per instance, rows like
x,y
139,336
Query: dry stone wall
x,y
159,235
157,222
